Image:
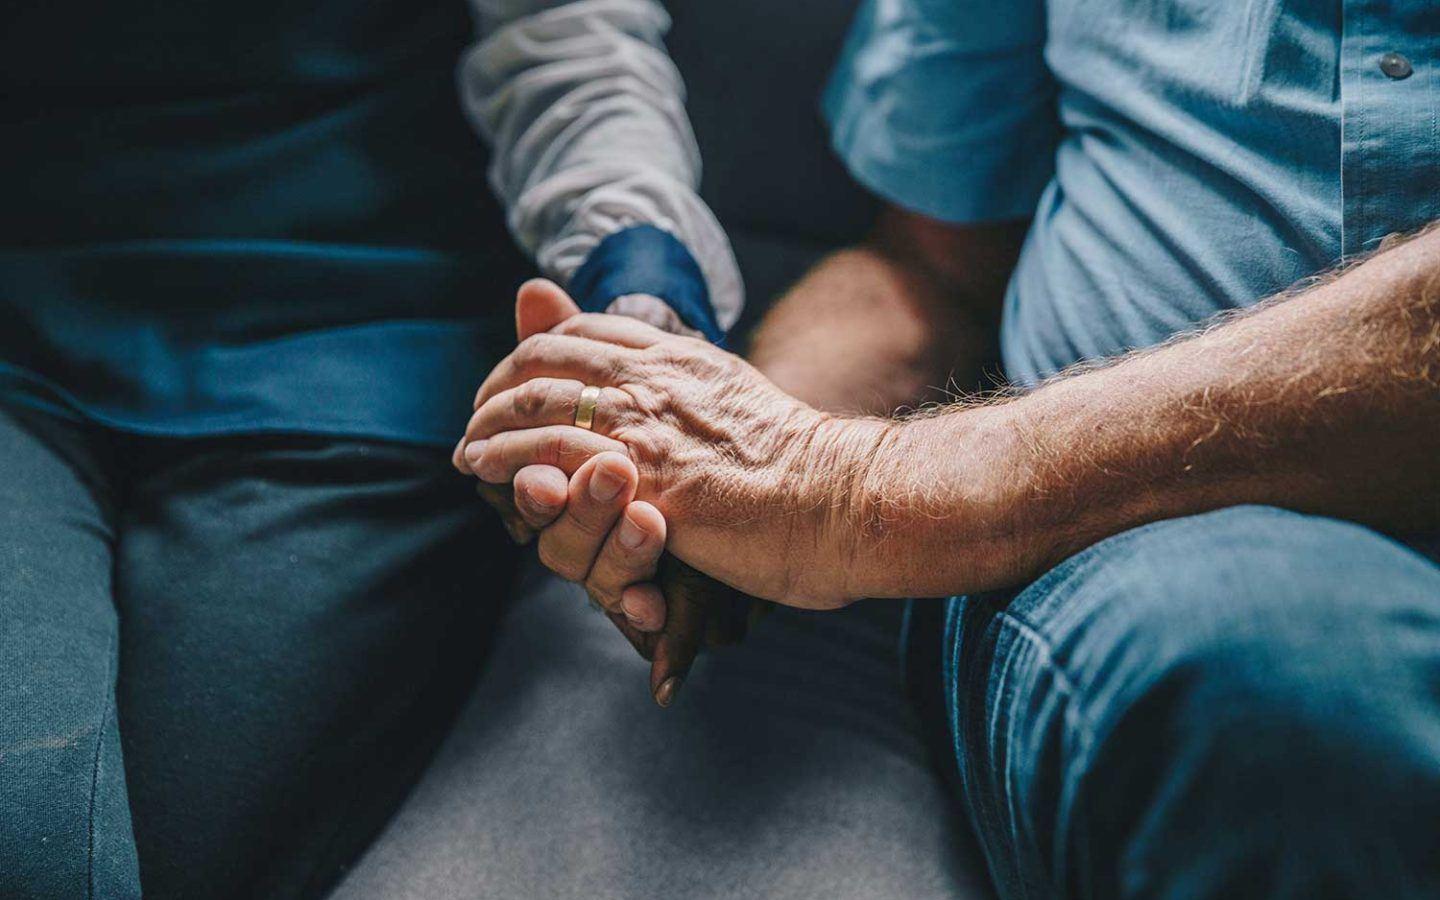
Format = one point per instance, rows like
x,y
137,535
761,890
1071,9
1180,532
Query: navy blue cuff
x,y
647,260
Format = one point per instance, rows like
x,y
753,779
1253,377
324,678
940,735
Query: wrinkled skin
x,y
666,609
745,475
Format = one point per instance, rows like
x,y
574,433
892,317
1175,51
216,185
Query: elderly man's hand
x,y
592,533
747,476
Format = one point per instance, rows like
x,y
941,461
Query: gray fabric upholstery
x,y
788,768
791,766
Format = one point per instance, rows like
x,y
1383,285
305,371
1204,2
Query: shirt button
x,y
1395,66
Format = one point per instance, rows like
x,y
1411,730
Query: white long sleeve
x,y
585,114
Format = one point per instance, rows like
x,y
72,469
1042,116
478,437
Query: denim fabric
x,y
1178,157
1239,704
224,662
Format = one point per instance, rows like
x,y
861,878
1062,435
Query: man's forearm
x,y
1324,402
884,324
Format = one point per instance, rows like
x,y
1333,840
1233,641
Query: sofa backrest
x,y
754,70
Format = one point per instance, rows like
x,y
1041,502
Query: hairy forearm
x,y
859,334
1327,401
883,325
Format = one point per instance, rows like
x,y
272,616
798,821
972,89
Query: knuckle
x,y
651,445
677,354
576,323
591,520
618,409
530,398
531,350
552,558
524,353
602,593
615,368
492,460
650,400
554,448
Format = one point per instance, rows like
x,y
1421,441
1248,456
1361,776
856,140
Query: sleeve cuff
x,y
991,166
647,260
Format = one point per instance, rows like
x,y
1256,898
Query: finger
x,y
728,620
540,493
457,458
599,493
499,498
498,459
612,329
643,643
644,607
629,556
679,643
545,401
556,356
540,305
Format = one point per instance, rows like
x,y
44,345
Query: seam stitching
x,y
95,769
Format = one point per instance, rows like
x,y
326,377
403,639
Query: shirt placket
x,y
1390,131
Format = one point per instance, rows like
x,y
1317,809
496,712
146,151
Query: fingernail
x,y
630,536
629,615
459,452
605,485
539,505
474,451
665,694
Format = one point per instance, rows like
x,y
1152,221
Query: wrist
x,y
850,491
645,260
940,505
829,458
652,310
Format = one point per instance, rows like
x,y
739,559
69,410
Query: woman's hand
x,y
749,479
591,532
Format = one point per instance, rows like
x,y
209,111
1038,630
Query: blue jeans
x,y
1239,704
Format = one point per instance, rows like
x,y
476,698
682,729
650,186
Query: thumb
x,y
540,306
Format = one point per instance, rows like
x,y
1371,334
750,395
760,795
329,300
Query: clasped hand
x,y
691,448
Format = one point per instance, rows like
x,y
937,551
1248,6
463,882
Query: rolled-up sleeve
x,y
595,159
946,107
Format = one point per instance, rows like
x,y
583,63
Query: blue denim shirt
x,y
1179,157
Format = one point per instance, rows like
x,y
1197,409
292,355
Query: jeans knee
x,y
1261,615
1255,674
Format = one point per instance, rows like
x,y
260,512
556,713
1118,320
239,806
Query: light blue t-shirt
x,y
1180,157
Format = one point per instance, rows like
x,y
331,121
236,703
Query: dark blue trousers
x,y
223,662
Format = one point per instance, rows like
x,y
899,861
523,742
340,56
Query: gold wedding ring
x,y
585,409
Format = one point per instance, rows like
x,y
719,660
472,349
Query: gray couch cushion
x,y
789,768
